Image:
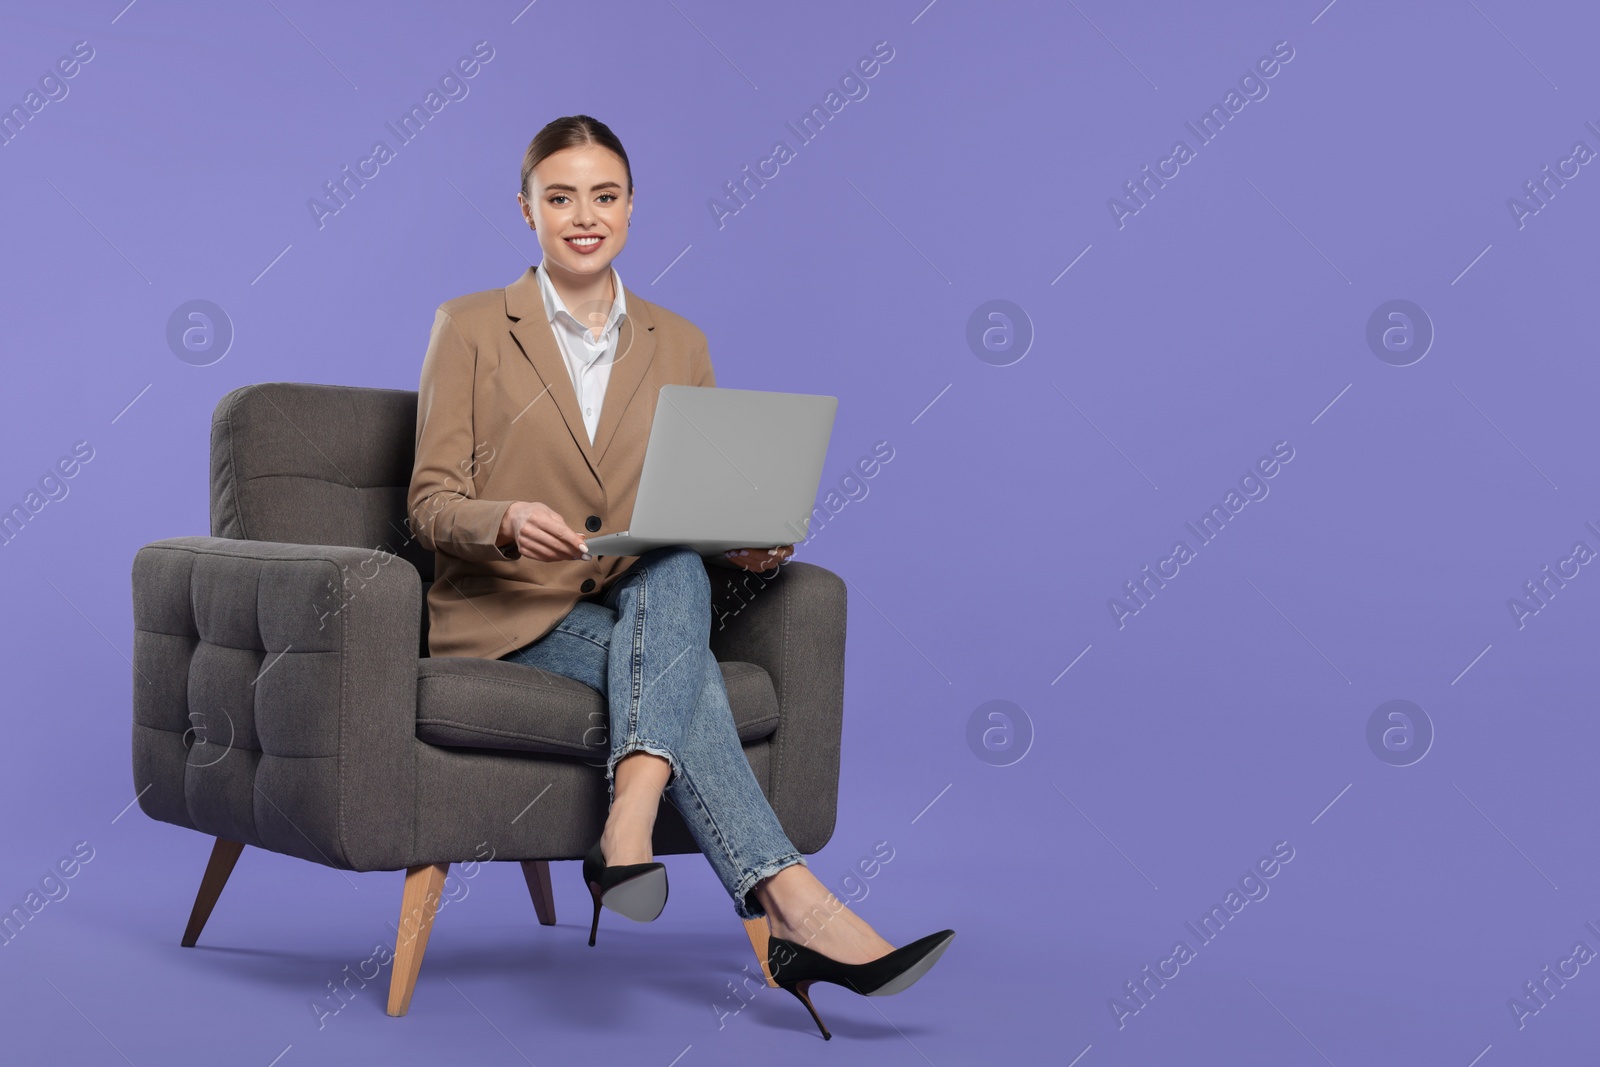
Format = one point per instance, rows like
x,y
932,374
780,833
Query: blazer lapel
x,y
635,349
532,332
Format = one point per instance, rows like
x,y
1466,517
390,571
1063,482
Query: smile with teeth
x,y
586,243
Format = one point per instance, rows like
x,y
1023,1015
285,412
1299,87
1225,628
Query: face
x,y
579,208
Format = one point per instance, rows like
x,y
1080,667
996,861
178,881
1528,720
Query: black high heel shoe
x,y
795,968
637,890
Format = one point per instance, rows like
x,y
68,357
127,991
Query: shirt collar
x,y
555,306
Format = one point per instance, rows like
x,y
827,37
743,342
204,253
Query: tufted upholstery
x,y
283,698
259,718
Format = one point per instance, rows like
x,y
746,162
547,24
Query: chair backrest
x,y
316,465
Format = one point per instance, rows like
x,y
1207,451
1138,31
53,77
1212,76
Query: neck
x,y
577,290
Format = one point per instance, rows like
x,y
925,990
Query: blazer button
x,y
592,523
588,585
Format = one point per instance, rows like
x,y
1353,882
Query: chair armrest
x,y
792,624
275,696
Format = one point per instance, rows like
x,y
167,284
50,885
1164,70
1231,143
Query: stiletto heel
x,y
636,890
796,968
802,990
594,926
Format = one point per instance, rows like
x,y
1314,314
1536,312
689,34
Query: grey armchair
x,y
284,697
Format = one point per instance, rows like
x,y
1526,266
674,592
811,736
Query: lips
x,y
585,244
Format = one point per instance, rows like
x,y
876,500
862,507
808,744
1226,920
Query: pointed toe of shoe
x,y
920,956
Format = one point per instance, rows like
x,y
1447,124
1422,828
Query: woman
x,y
515,580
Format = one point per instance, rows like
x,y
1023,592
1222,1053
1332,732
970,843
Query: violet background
x,y
1228,715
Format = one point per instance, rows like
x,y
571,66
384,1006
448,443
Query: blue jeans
x,y
665,696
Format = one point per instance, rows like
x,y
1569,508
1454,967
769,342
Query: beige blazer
x,y
497,422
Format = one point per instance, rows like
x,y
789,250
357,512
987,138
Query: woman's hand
x,y
759,559
539,533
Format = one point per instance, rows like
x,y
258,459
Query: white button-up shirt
x,y
588,359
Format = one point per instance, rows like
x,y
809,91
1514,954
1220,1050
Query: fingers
x,y
563,542
760,559
543,535
543,546
551,542
571,541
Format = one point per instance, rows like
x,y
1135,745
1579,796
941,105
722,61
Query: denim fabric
x,y
665,695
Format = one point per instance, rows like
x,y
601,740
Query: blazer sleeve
x,y
445,514
703,374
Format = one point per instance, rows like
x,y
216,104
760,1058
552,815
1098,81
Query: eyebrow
x,y
574,188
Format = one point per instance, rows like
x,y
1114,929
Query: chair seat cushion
x,y
471,702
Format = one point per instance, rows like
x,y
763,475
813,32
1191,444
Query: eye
x,y
558,196
608,196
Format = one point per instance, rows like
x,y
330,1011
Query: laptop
x,y
726,468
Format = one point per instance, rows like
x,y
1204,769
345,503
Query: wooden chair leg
x,y
537,873
758,932
224,854
418,905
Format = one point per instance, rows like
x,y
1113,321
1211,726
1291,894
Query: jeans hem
x,y
743,903
628,748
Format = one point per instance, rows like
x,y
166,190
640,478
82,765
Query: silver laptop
x,y
726,468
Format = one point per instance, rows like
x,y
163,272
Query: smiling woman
x,y
565,397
